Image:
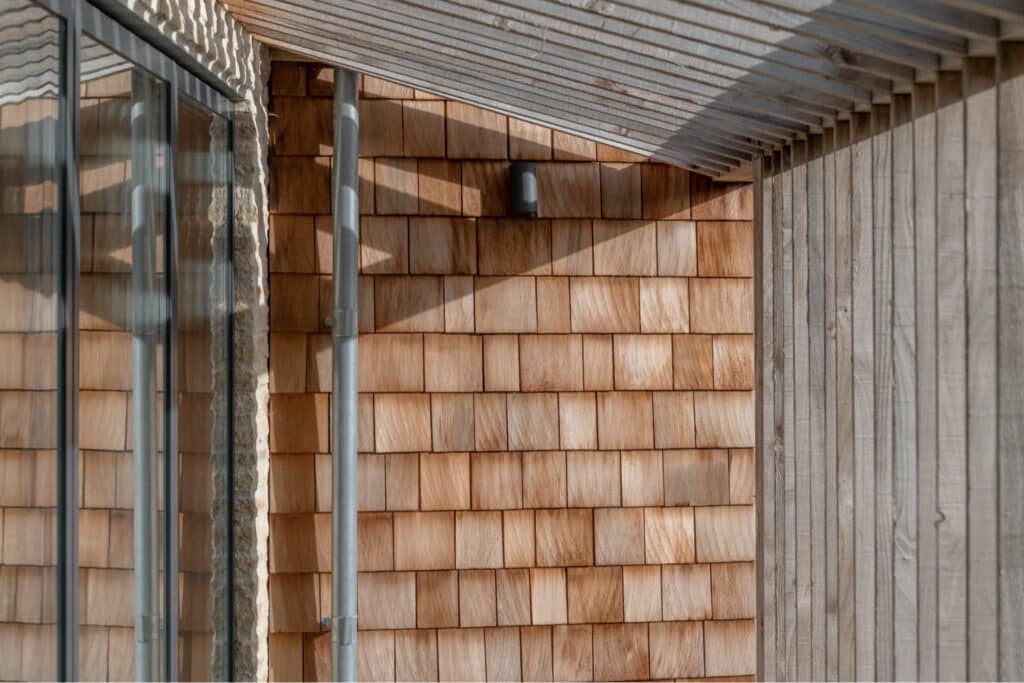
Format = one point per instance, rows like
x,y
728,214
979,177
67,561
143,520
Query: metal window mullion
x,y
230,437
171,391
146,323
67,484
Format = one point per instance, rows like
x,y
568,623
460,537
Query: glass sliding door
x,y
204,407
122,334
31,224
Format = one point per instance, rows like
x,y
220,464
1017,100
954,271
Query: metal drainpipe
x,y
145,105
344,385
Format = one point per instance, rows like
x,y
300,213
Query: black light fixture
x,y
523,188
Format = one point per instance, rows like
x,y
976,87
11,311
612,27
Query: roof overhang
x,y
702,84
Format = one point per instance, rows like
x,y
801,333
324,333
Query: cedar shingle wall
x,y
556,415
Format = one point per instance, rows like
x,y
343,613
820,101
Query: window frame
x,y
109,25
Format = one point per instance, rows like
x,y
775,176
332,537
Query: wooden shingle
x,y
643,361
452,420
696,477
544,479
668,535
604,304
693,361
535,642
666,191
384,244
444,481
506,304
391,362
386,599
721,201
504,662
490,422
722,305
533,421
528,141
375,660
734,361
673,419
625,420
513,596
416,655
730,647
461,654
665,304
553,304
724,419
592,478
741,476
424,540
620,190
594,594
376,542
395,185
440,187
423,126
401,423
548,596
572,251
686,592
484,188
677,649
725,534
519,538
725,248
620,652
568,190
501,362
641,593
477,605
598,365
642,478
452,362
437,599
475,133
382,133
568,147
497,481
551,362
573,652
618,536
478,540
459,309
625,247
514,246
409,303
733,590
442,245
677,248
564,538
577,420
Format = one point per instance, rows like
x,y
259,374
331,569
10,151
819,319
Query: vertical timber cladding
x,y
891,256
556,462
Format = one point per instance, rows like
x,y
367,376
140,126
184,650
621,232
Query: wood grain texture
x,y
528,418
909,282
1011,400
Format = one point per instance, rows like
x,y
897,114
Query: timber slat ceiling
x,y
703,84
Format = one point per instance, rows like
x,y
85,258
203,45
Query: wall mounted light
x,y
523,188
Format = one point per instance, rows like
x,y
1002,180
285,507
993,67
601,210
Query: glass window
x,y
149,332
30,260
122,332
204,408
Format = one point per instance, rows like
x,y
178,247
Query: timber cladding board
x,y
889,397
556,466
